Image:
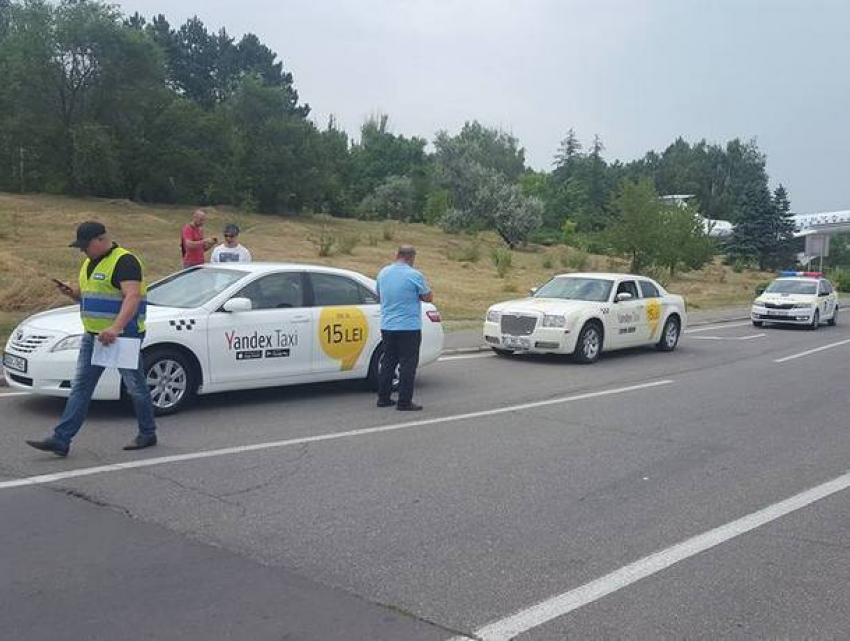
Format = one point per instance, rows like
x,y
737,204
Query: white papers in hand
x,y
123,353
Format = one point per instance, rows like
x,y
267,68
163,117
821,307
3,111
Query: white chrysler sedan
x,y
585,315
227,327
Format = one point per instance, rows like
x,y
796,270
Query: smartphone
x,y
62,285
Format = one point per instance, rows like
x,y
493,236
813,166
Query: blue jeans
x,y
85,380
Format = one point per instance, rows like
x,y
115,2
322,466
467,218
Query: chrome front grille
x,y
518,325
28,343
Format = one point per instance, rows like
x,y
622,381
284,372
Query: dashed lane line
x,y
811,351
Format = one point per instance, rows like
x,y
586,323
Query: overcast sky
x,y
637,72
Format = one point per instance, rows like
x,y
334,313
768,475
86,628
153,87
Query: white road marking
x,y
563,604
177,458
811,351
464,357
728,338
708,328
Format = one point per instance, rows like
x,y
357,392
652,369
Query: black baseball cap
x,y
87,232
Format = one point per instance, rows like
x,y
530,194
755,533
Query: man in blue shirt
x,y
402,290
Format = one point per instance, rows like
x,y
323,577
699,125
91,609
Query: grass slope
x,y
35,232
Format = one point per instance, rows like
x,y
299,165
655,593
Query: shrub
x,y
840,278
659,274
325,243
388,230
547,262
468,254
575,259
348,242
502,260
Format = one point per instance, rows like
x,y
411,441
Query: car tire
x,y
815,321
670,335
172,379
589,344
504,353
375,370
758,323
832,322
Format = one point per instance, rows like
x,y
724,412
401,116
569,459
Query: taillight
x,y
434,316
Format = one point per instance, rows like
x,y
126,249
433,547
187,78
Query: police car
x,y
227,327
797,298
586,314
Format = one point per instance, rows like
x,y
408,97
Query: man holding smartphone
x,y
111,291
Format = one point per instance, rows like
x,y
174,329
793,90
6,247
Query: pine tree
x,y
765,229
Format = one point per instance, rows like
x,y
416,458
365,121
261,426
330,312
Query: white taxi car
x,y
586,314
227,327
797,298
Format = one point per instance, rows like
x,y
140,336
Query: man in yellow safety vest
x,y
111,291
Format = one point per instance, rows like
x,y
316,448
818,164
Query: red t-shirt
x,y
192,255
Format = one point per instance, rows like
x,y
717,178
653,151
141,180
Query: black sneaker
x,y
388,402
409,407
50,445
141,442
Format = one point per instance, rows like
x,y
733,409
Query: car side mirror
x,y
622,296
760,291
235,305
532,291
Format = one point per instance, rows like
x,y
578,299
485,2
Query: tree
x,y
765,228
638,231
392,199
380,154
684,243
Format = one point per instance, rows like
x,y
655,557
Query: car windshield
x,y
792,287
568,288
193,287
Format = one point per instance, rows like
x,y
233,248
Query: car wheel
x,y
172,380
589,344
504,353
832,322
669,335
758,323
815,321
375,372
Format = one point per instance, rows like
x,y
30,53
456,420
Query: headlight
x,y
493,316
554,321
69,342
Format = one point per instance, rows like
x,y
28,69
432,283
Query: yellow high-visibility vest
x,y
100,301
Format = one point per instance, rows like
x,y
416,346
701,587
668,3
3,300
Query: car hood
x,y
542,306
66,320
797,299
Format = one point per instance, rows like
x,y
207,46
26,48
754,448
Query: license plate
x,y
10,361
515,342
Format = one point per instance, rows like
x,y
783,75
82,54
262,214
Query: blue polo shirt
x,y
400,287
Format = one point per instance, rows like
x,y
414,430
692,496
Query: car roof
x,y
607,275
262,267
808,279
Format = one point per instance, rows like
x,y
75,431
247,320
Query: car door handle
x,y
300,319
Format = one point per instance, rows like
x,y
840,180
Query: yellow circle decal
x,y
653,315
343,333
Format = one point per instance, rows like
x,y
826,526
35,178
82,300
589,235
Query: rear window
x,y
649,289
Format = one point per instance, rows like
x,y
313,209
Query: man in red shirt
x,y
192,240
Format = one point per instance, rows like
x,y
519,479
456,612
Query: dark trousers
x,y
401,349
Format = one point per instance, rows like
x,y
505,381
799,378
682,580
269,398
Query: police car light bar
x,y
788,272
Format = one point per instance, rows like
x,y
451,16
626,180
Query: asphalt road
x,y
643,497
